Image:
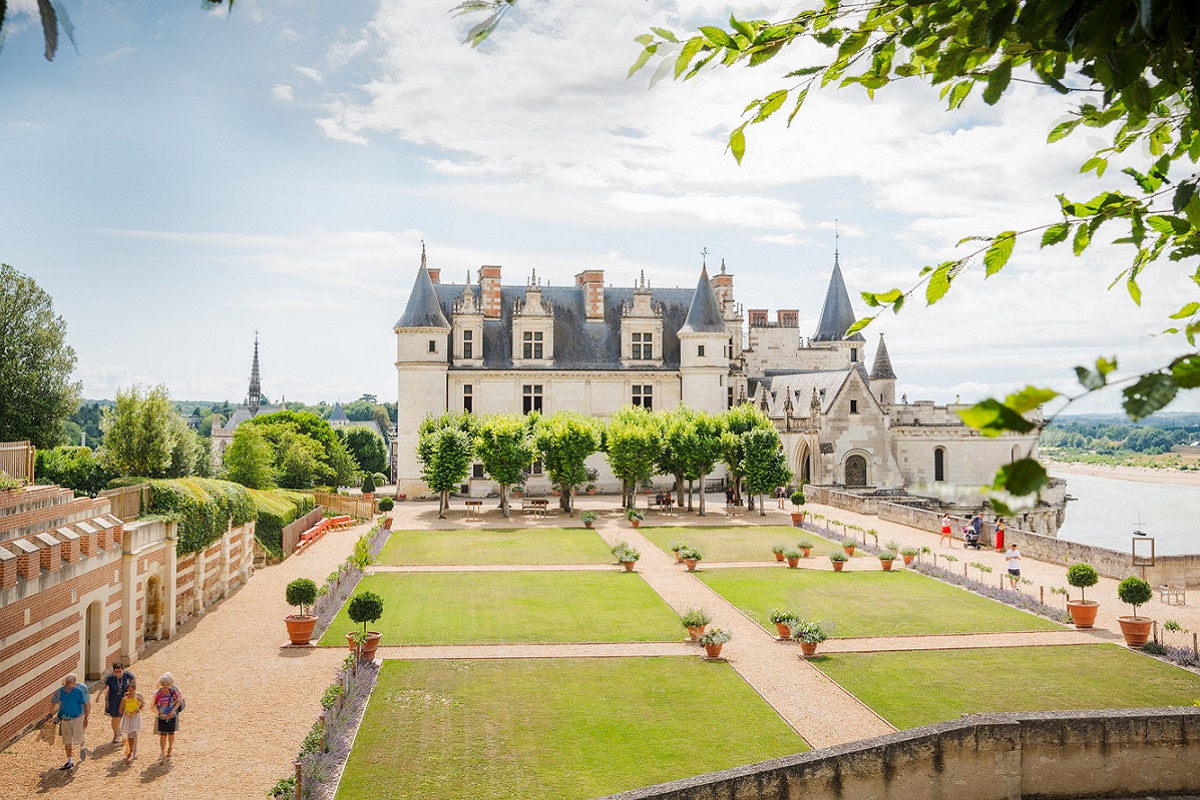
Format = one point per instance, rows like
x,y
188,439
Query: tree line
x,y
1107,438
684,443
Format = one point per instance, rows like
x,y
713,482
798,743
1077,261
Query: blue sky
x,y
191,176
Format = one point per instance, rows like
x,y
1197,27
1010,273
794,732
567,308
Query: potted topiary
x,y
301,593
691,556
634,516
838,560
892,545
628,557
713,641
778,549
805,546
848,545
386,504
1135,592
1082,611
793,557
368,487
677,547
695,620
809,633
588,518
797,498
784,621
886,557
364,607
909,553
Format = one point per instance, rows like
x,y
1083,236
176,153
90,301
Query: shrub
x,y
851,543
276,509
203,507
892,545
364,608
380,479
1135,592
73,467
714,636
8,483
386,504
805,544
678,545
782,616
838,556
797,498
302,592
909,551
695,618
633,514
690,554
793,552
589,516
810,631
628,554
886,555
1082,576
778,548
368,484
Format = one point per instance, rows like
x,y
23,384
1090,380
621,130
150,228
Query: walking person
x,y
947,535
729,502
71,706
780,494
1013,556
167,701
131,720
115,684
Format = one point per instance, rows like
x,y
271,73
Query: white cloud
x,y
313,75
281,91
116,54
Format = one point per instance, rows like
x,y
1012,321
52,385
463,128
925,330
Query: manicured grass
x,y
506,546
740,544
877,603
495,607
555,729
915,688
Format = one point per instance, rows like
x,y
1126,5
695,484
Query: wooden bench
x,y
665,506
1173,593
473,507
535,505
344,521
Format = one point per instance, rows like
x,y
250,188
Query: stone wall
x,y
1073,754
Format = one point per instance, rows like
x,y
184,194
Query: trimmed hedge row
x,y
277,509
203,507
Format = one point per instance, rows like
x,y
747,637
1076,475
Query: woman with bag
x,y
167,704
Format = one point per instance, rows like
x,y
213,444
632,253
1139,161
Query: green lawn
x,y
877,603
506,546
740,544
496,607
555,729
918,688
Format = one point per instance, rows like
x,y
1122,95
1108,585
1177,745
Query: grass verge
x,y
505,546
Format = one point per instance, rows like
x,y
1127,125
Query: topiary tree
x,y
368,484
1135,592
302,593
386,504
365,607
1082,576
797,498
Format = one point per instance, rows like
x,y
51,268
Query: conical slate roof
x,y
338,414
882,368
836,314
704,315
423,309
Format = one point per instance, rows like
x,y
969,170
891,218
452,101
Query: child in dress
x,y
131,720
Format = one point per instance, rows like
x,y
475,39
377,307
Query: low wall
x,y
290,535
1049,755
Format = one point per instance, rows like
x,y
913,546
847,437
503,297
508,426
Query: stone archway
x,y
856,471
802,463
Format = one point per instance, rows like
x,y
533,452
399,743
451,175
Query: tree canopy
x,y
144,436
36,391
504,445
367,448
445,447
305,449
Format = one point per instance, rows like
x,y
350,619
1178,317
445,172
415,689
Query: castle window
x,y
853,406
531,397
477,470
433,345
729,398
643,395
531,342
700,350
643,346
939,464
468,398
468,344
853,355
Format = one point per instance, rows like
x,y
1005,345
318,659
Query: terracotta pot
x,y
300,627
588,524
387,523
691,564
808,649
713,650
635,522
1083,612
369,646
806,551
793,563
849,549
837,565
628,565
887,565
678,558
779,556
785,630
797,518
1136,630
907,560
697,632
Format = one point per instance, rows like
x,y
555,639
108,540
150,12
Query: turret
x,y
837,315
883,378
703,355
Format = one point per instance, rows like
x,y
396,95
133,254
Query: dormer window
x,y
531,344
468,344
643,346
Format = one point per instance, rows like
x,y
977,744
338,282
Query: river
x,y
1107,510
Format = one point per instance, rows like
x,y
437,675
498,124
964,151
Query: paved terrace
x,y
250,703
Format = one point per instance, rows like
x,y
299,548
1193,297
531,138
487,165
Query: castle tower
x,y
883,378
422,363
703,358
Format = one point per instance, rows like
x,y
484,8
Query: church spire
x,y
254,395
704,315
836,314
882,368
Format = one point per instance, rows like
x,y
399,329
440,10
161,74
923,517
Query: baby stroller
x,y
971,538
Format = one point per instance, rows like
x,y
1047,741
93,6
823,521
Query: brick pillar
x,y
70,544
51,552
104,534
435,275
87,540
8,569
592,281
489,290
29,565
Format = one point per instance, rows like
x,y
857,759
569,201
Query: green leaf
x,y
858,326
737,143
803,93
1186,371
663,33
1056,233
997,82
1186,311
998,253
1029,398
1152,392
690,48
1090,380
1105,366
642,58
1024,476
1063,129
939,282
717,36
1095,163
959,93
992,418
1083,237
772,103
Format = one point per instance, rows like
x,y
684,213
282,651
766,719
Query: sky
x,y
184,177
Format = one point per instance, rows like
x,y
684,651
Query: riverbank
x,y
1123,473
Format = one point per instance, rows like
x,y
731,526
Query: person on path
x,y
1013,556
166,709
947,535
999,534
729,502
780,495
977,524
115,684
131,719
71,706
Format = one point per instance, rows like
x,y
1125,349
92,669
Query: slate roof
x,y
882,368
827,383
704,314
836,314
424,309
338,414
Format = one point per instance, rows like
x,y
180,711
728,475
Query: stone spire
x,y
836,314
423,309
254,395
705,315
882,368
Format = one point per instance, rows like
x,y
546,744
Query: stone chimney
x,y
435,275
758,317
788,317
489,290
592,281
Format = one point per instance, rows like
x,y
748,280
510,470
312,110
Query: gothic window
x,y
468,398
643,346
939,464
856,471
531,397
643,395
531,342
468,344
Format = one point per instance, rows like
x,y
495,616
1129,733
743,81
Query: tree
x,y
504,444
73,467
565,439
295,461
740,420
764,464
445,448
633,445
144,436
367,449
36,392
250,459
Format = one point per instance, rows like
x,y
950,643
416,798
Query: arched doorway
x,y
856,471
939,464
93,642
803,463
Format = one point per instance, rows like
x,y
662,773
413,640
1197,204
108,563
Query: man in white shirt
x,y
1013,556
